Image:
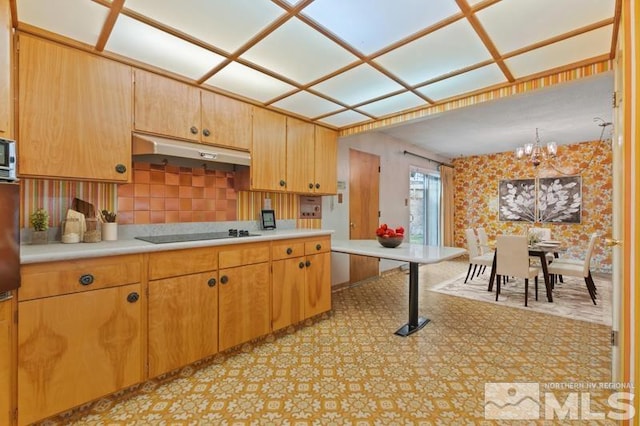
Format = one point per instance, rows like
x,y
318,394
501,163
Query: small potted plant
x,y
39,220
109,226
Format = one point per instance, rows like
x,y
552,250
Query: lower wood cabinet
x,y
6,323
287,292
183,320
77,347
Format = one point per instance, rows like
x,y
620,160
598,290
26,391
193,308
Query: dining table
x,y
415,254
535,250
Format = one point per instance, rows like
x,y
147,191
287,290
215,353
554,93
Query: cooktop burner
x,y
179,238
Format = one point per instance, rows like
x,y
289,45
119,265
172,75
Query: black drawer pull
x,y
211,282
307,263
86,279
317,186
121,168
310,186
301,265
133,297
283,183
194,130
206,132
318,246
224,279
289,250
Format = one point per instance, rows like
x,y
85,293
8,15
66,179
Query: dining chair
x,y
542,234
483,239
512,259
475,257
578,268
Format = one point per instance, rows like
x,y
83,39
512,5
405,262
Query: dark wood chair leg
x,y
498,286
526,291
535,280
468,271
473,274
589,282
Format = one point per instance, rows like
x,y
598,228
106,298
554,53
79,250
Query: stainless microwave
x,y
7,160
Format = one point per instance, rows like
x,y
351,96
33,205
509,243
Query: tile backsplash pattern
x,y
169,194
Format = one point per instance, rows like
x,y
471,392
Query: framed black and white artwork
x,y
560,199
517,200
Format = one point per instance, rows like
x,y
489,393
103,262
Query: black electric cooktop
x,y
179,238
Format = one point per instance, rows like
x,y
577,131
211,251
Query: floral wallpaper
x,y
476,182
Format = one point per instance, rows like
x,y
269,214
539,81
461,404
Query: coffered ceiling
x,y
338,62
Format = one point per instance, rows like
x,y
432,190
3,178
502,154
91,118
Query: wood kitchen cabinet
x,y
301,280
74,113
244,294
325,163
77,343
183,308
268,171
168,107
6,359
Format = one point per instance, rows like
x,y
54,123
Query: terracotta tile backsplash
x,y
167,194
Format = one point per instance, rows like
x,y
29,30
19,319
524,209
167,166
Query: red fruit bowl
x,y
390,242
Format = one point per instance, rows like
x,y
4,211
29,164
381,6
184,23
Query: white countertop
x,y
55,251
406,252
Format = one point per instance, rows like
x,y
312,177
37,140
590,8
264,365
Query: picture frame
x,y
268,219
559,199
517,200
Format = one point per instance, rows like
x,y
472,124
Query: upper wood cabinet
x,y
300,156
168,107
75,113
268,151
6,111
226,121
326,161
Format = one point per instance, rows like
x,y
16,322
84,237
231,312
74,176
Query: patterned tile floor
x,y
348,368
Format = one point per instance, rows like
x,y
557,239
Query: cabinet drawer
x,y
174,263
287,249
72,276
243,254
317,245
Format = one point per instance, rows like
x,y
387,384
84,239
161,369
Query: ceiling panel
x,y
247,82
448,49
370,25
144,43
345,118
61,17
392,104
588,45
221,23
299,52
486,76
516,24
307,104
358,85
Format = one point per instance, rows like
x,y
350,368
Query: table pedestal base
x,y
408,329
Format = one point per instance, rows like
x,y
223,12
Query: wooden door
x,y
243,304
318,287
74,113
300,153
326,161
287,292
268,151
6,321
166,107
225,121
76,348
183,321
364,193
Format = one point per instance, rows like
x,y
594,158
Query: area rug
x,y
570,299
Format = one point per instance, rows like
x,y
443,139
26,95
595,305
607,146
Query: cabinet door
x,y
5,361
300,152
166,107
326,161
243,304
76,348
74,113
318,289
226,121
268,151
183,321
287,292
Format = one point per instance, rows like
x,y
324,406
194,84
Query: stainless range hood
x,y
159,150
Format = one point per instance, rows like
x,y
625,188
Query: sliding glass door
x,y
425,195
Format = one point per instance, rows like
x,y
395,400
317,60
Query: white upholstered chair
x,y
512,260
542,234
577,268
475,257
483,240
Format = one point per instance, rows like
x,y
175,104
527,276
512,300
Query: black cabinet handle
x,y
301,265
317,186
307,263
283,183
133,297
86,279
194,130
310,186
211,282
206,132
121,168
289,250
318,247
224,279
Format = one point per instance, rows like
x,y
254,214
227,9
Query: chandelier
x,y
534,151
